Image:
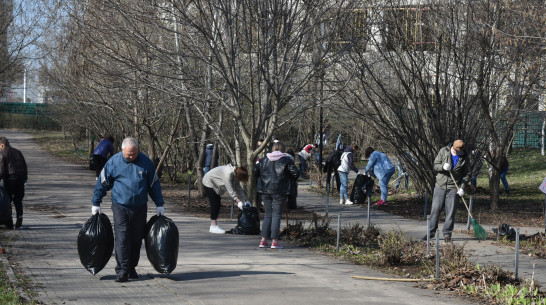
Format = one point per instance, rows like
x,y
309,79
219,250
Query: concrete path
x,y
212,269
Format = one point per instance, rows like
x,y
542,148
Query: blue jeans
x,y
273,206
503,179
399,179
384,184
303,166
343,187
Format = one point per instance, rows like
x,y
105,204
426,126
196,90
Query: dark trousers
x,y
214,200
128,232
15,188
336,176
100,161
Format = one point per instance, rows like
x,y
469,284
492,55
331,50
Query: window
x,y
409,28
351,31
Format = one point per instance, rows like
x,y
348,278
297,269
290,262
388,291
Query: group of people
x,y
131,177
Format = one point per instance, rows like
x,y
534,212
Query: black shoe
x,y
447,238
19,222
425,237
122,278
133,274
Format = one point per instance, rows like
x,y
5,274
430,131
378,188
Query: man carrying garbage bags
x,y
131,176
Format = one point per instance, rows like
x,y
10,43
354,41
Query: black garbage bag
x,y
248,222
507,230
96,243
5,209
161,240
362,188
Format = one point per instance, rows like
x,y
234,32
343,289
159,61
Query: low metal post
x,y
544,212
428,234
338,231
189,189
468,220
232,204
517,253
426,204
327,197
437,254
369,203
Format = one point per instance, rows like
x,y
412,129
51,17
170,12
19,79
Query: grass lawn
x,y
524,206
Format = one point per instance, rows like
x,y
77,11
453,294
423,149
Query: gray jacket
x,y
461,172
222,179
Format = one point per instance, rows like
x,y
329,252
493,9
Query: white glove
x,y
160,211
359,173
248,204
240,205
460,192
447,166
95,210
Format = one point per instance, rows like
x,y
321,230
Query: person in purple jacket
x,y
103,151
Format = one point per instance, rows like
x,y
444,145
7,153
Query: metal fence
x,y
528,132
27,115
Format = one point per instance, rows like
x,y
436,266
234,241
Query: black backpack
x,y
334,160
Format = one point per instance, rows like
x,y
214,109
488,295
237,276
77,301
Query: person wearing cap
x,y
450,161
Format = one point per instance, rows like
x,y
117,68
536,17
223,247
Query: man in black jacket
x,y
13,170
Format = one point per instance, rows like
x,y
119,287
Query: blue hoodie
x,y
130,182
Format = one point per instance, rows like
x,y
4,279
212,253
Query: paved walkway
x,y
212,269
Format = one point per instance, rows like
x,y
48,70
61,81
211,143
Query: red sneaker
x,y
276,245
381,202
264,244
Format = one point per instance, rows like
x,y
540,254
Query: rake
x,y
479,231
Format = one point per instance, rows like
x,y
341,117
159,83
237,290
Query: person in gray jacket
x,y
219,180
450,161
131,176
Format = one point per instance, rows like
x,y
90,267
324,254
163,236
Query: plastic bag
x,y
161,240
96,243
248,222
5,209
362,188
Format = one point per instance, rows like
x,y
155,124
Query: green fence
x,y
528,132
26,116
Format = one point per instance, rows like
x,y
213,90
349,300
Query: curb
x,y
11,274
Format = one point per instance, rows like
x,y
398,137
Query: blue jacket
x,y
380,164
104,148
130,182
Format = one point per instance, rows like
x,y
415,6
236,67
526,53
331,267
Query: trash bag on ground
x,y
161,240
362,188
96,243
5,209
248,222
507,230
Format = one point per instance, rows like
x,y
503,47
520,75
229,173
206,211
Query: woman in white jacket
x,y
347,164
219,180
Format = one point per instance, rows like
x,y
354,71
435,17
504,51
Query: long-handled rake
x,y
479,231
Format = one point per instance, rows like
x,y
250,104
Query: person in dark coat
x,y
13,170
292,198
274,173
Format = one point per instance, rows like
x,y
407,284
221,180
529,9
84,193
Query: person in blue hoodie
x,y
131,177
104,149
209,151
381,167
